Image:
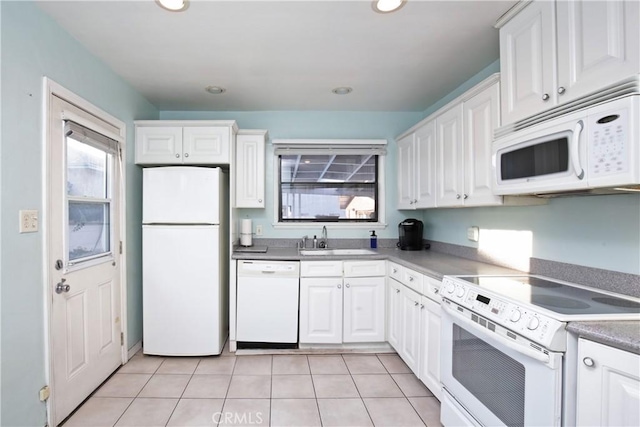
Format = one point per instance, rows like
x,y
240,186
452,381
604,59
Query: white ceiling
x,y
288,55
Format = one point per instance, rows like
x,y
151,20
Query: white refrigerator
x,y
184,260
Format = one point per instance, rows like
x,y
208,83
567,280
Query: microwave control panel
x,y
608,141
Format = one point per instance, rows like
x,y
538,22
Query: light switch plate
x,y
258,230
28,221
473,233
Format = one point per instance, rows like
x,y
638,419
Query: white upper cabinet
x,y
406,169
250,169
416,168
449,155
169,142
463,149
481,116
445,160
555,52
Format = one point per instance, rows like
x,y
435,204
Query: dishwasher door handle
x,y
268,272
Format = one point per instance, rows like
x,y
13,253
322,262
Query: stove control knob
x,y
451,287
460,292
515,315
534,322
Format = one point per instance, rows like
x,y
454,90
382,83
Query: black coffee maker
x,y
410,233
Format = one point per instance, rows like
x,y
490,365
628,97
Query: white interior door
x,y
84,255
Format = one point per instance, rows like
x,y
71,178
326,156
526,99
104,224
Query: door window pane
x,y
88,229
87,171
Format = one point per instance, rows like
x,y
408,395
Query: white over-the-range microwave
x,y
594,149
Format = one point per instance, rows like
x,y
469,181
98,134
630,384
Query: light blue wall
x,y
34,46
316,124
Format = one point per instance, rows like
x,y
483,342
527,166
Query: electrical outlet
x,y
473,233
258,230
28,221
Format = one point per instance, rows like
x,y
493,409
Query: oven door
x,y
493,381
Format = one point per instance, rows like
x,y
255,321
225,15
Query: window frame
x,y
331,147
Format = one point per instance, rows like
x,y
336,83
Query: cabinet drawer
x,y
431,288
321,269
413,280
364,268
395,271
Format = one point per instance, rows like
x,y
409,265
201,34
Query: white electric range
x,y
507,358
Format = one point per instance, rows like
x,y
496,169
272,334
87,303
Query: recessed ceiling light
x,y
216,90
387,6
173,5
342,90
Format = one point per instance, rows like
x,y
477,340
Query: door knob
x,y
561,90
61,287
186,154
545,97
177,156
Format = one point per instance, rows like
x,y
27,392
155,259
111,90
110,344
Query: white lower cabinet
x,y
410,341
363,315
339,309
394,313
608,386
321,310
430,346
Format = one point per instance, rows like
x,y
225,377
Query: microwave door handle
x,y
575,150
479,330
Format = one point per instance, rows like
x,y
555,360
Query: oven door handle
x,y
544,358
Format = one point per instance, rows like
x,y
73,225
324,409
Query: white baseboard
x,y
133,350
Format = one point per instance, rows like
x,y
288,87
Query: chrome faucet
x,y
303,242
324,240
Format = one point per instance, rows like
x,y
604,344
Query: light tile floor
x,y
278,390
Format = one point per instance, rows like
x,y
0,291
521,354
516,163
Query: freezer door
x,y
181,195
181,291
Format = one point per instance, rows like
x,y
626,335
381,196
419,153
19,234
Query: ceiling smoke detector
x,y
216,90
387,6
344,90
173,5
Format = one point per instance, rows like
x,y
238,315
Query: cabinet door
x,y
406,179
158,145
364,317
206,145
425,170
394,313
321,310
449,152
481,118
609,389
430,347
598,44
250,171
410,341
527,67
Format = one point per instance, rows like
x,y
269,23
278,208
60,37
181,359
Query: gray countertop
x,y
621,334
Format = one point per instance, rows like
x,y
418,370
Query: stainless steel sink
x,y
335,252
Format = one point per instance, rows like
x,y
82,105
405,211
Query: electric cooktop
x,y
558,297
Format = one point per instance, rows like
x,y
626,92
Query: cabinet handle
x,y
347,285
457,196
177,156
397,291
186,154
465,196
395,270
259,200
545,97
410,202
339,286
411,278
415,200
421,306
416,303
561,90
589,362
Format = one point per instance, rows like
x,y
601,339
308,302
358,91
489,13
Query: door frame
x,y
51,88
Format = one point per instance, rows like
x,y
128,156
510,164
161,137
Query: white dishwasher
x,y
267,304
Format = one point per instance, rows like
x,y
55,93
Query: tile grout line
x,y
224,401
359,394
185,389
